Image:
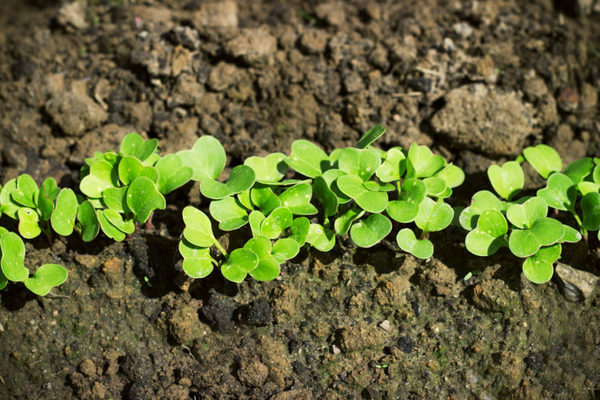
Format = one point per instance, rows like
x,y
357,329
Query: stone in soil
x,y
363,334
577,285
254,46
253,373
75,113
480,118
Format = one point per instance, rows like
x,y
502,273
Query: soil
x,y
475,80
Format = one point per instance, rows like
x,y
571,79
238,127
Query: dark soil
x,y
476,80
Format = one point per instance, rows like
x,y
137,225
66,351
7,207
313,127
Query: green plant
x,y
523,224
125,188
359,190
12,267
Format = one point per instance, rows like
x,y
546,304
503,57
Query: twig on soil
x,y
408,94
428,71
2,380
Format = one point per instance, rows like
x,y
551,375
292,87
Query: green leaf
x,y
198,229
13,257
240,179
108,228
28,223
124,225
3,280
45,206
507,180
548,231
299,230
408,242
372,135
307,159
116,199
436,187
130,168
143,198
7,205
433,216
406,208
343,223
322,239
482,201
371,230
352,186
86,215
134,145
422,163
488,237
285,249
276,222
297,199
544,232
544,159
264,199
244,198
268,268
596,173
172,173
268,169
50,188
101,177
571,235
590,206
524,215
65,212
325,196
190,250
394,165
229,212
453,175
206,159
560,192
579,169
361,163
45,278
538,268
238,264
256,219
586,187
197,267
27,192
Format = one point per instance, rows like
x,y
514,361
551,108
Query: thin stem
x,y
221,249
580,225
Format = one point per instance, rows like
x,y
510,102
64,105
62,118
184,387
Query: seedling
x,y
12,267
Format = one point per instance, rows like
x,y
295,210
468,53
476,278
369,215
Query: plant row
x,y
277,204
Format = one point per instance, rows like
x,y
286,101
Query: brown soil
x,y
475,80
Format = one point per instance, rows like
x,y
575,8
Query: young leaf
x,y
190,250
50,188
13,257
372,135
579,169
198,267
238,264
453,176
256,219
524,215
45,278
406,208
482,201
7,205
343,223
488,237
206,159
538,268
322,239
134,145
590,206
268,169
285,249
229,212
172,174
544,159
116,199
436,187
143,198
86,215
276,222
264,199
108,228
544,232
352,186
198,229
297,199
29,226
101,177
393,167
124,225
325,196
571,235
422,163
371,230
361,163
240,179
586,187
27,191
268,268
130,168
299,229
45,206
244,199
507,180
307,159
560,192
408,242
433,216
63,217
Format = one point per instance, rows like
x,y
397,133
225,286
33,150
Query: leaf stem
x,y
580,225
221,249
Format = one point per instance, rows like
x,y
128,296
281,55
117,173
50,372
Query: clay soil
x,y
475,80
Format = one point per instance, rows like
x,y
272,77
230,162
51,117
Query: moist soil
x,y
475,80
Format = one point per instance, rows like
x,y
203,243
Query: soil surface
x,y
475,80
